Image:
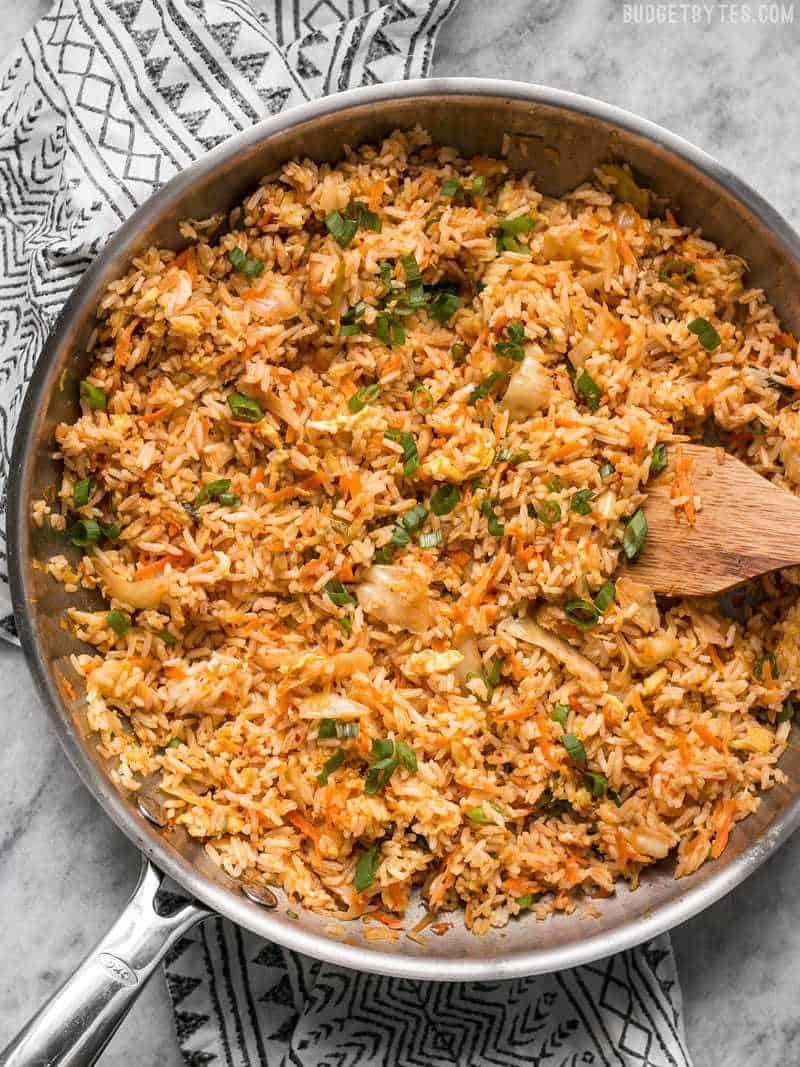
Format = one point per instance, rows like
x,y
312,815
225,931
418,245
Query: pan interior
x,y
561,138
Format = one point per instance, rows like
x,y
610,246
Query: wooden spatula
x,y
745,526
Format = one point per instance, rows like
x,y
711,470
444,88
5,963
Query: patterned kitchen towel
x,y
100,104
242,1002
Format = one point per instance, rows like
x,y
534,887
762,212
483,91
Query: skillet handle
x,y
76,1024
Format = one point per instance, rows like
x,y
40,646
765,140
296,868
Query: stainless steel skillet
x,y
561,137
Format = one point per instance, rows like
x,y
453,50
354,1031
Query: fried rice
x,y
354,472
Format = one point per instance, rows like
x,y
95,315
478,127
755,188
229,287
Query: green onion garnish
x,y
409,446
431,539
451,189
481,391
560,714
364,219
367,868
385,763
575,749
526,902
84,532
339,594
329,728
596,783
478,186
411,270
387,273
512,346
244,408
583,613
93,395
444,303
330,765
786,714
349,325
477,814
658,459
606,470
549,512
81,492
253,268
342,230
495,527
517,224
676,271
174,742
414,517
705,333
604,597
580,502
507,242
635,534
589,390
422,399
346,623
406,755
390,330
444,499
118,622
367,394
758,669
229,500
554,483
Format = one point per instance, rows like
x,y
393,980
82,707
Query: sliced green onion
x,y
229,500
512,347
444,303
244,408
110,530
560,714
676,271
365,219
431,539
451,188
342,230
583,613
84,532
165,636
477,814
635,534
495,527
93,395
580,502
459,352
385,764
406,755
330,765
409,446
658,459
492,673
604,597
518,224
705,333
81,492
414,517
216,489
367,394
118,622
400,536
626,190
383,555
589,390
346,623
390,330
526,902
387,273
549,512
478,185
575,749
554,483
339,594
349,325
596,783
758,669
253,268
606,470
411,270
367,868
786,714
422,399
444,499
174,742
506,242
481,391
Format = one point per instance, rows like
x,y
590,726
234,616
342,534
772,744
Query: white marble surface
x,y
64,869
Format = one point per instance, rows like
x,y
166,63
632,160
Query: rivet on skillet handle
x,y
78,1021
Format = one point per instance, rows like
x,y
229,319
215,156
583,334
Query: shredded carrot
x,y
440,929
710,738
713,655
636,702
175,671
305,827
375,195
350,483
154,416
623,852
289,491
257,477
724,828
788,340
475,595
624,248
123,345
523,712
520,886
149,569
460,558
388,920
345,572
